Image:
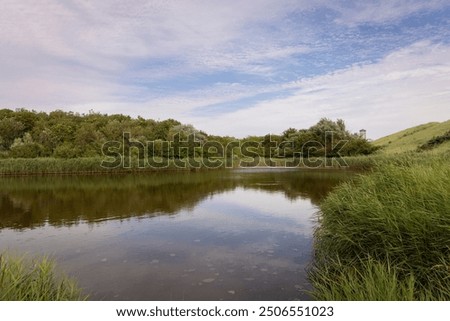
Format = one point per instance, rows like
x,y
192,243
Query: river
x,y
215,235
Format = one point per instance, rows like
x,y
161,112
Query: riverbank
x,y
93,165
22,279
386,235
81,166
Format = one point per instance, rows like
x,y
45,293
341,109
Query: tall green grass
x,y
89,165
34,280
46,166
386,235
25,166
92,165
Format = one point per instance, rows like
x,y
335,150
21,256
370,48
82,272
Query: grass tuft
x,y
34,280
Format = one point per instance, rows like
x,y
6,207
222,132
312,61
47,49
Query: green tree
x,y
25,147
10,129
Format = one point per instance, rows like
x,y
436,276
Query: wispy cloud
x,y
229,67
407,87
381,11
82,43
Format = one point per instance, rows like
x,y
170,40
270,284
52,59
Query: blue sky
x,y
231,67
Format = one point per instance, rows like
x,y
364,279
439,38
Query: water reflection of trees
x,y
34,201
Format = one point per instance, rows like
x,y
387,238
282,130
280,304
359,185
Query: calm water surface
x,y
219,235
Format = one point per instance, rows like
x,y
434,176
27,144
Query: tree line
x,y
61,134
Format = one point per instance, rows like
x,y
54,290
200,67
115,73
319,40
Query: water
x,y
218,235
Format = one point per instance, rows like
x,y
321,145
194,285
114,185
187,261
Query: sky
x,y
232,67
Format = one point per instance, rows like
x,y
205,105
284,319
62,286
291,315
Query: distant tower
x,y
362,133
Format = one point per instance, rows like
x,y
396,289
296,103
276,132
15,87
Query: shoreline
x,y
20,167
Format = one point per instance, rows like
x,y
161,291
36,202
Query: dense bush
x,y
434,142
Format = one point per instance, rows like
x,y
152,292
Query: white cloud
x,y
183,105
84,52
90,31
101,55
381,11
406,88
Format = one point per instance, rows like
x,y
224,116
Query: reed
x,y
370,280
34,280
74,166
390,225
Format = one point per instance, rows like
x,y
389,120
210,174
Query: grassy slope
x,y
409,139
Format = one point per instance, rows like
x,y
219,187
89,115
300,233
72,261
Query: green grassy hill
x,y
410,139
